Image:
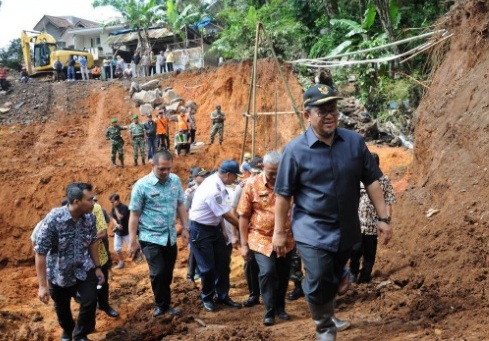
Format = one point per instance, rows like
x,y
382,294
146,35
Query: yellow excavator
x,y
45,52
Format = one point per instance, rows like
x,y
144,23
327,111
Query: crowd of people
x,y
322,201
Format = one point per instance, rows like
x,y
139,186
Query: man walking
x,y
136,131
256,224
83,67
156,199
162,130
113,133
206,232
67,261
58,70
150,129
322,170
217,118
120,217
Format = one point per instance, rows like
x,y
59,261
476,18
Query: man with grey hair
x,y
256,211
322,170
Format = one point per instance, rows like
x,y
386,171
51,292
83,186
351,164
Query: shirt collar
x,y
66,215
312,139
154,180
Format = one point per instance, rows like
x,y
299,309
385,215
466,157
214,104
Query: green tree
x,y
12,55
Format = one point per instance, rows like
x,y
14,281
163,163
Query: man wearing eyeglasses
x,y
322,170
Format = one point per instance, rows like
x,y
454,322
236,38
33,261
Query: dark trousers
x,y
274,278
251,271
182,146
103,293
324,271
192,135
191,265
152,143
163,67
213,259
161,261
162,141
368,249
87,290
107,70
169,67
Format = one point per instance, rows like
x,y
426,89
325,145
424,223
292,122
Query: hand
x,y
133,249
245,252
279,241
43,294
185,236
100,276
384,232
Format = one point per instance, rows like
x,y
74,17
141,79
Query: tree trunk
x,y
362,7
382,7
331,7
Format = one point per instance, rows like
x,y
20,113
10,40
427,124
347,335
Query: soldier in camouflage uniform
x,y
217,117
136,131
113,133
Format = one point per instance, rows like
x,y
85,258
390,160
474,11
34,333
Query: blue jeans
x,y
71,72
213,258
152,143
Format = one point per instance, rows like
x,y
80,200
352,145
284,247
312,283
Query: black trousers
x,y
324,271
274,278
162,141
61,296
161,262
368,249
183,146
192,135
103,293
251,271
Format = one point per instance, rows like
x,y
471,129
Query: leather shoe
x,y
283,315
295,294
66,336
174,312
111,312
229,302
158,311
209,306
269,321
251,301
340,324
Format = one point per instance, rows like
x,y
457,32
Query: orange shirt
x,y
161,124
182,122
258,203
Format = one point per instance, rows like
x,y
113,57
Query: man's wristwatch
x,y
386,220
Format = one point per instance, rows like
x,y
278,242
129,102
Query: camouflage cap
x,y
114,120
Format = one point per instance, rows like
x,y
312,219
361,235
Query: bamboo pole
x,y
255,60
286,85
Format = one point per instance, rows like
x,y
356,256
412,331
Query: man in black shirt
x,y
120,217
150,129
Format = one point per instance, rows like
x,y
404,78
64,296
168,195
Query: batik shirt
x,y
366,211
101,225
157,204
65,243
258,203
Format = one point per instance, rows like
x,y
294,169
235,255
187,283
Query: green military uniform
x,y
137,134
217,117
113,133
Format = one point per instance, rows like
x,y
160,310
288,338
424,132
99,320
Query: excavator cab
x,y
42,53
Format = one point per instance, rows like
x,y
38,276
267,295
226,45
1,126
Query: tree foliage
x,y
12,55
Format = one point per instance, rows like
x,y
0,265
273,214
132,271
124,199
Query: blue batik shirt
x,y
66,246
157,204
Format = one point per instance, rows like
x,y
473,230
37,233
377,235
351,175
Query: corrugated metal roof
x,y
133,36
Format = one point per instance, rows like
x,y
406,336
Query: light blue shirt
x,y
158,204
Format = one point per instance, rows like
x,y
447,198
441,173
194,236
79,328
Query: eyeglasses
x,y
323,112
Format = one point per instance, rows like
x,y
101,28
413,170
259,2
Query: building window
x,y
95,42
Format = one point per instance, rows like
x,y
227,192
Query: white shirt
x,y
210,201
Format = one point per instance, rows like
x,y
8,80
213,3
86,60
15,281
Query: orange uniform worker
x,y
162,130
182,123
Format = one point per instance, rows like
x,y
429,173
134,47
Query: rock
x,y
431,211
4,110
146,109
17,106
151,85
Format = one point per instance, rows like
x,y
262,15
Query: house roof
x,y
65,22
126,36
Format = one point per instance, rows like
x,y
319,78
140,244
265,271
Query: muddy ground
x,y
429,283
